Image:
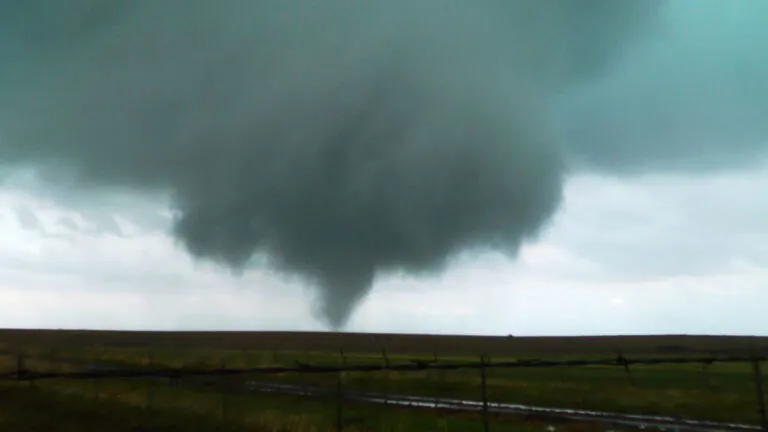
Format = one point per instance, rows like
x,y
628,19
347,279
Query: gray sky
x,y
497,167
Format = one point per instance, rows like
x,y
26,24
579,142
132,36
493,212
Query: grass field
x,y
720,392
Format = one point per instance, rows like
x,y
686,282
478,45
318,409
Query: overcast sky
x,y
347,139
686,254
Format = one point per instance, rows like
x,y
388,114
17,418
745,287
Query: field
x,y
717,392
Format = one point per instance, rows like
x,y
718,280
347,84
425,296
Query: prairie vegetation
x,y
719,392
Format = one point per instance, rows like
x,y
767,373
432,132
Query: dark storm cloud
x,y
340,138
695,98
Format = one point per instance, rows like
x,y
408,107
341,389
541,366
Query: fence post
x,y
385,357
436,377
339,405
387,376
95,367
223,390
21,371
622,361
439,381
483,376
705,370
148,381
340,393
50,357
760,394
306,385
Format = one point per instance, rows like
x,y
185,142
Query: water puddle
x,y
661,423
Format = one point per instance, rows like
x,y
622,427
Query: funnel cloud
x,y
339,139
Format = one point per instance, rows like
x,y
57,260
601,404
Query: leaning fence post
x,y
760,394
486,426
622,361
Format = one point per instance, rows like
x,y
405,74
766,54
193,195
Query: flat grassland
x,y
719,392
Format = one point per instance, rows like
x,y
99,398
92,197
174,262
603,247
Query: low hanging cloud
x,y
28,220
339,139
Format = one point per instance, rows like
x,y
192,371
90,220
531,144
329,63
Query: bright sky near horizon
x,y
646,255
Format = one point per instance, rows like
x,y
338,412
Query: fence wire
x,y
486,408
23,374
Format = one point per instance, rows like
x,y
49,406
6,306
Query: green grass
x,y
107,400
275,412
721,392
27,408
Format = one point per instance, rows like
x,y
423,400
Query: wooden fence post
x,y
95,367
705,370
223,389
148,381
436,376
760,394
387,373
622,361
340,393
483,376
21,370
339,405
439,381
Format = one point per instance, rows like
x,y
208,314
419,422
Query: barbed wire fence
x,y
152,373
